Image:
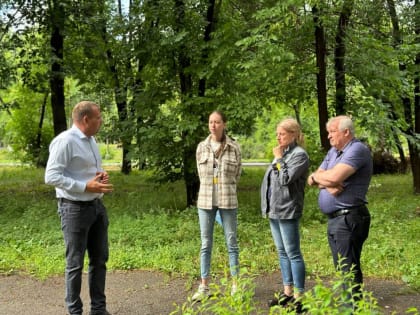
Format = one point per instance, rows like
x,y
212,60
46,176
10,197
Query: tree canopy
x,y
159,67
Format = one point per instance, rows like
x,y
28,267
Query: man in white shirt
x,y
74,169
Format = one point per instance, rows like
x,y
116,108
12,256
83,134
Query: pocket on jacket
x,y
204,169
281,199
230,168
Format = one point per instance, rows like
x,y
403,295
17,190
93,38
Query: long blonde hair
x,y
291,125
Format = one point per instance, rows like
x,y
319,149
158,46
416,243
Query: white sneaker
x,y
202,293
233,289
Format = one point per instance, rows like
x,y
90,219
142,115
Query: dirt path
x,y
152,293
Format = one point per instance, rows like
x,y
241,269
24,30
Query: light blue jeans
x,y
287,240
230,223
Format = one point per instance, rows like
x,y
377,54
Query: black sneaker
x,y
99,313
282,300
297,306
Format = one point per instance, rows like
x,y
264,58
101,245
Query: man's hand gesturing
x,y
100,184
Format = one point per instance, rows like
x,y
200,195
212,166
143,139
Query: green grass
x,y
151,229
6,156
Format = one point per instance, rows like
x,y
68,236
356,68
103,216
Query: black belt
x,y
78,202
345,211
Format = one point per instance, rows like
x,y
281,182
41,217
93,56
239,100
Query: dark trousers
x,y
346,235
85,227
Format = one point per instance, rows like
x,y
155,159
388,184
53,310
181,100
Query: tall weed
x,y
322,299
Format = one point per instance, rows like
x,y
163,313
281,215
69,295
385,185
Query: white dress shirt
x,y
73,161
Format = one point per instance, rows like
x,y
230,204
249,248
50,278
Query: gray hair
x,y
344,122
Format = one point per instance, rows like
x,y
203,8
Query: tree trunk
x,y
191,179
5,106
414,144
57,74
412,129
403,161
125,138
39,161
321,77
339,57
120,95
210,18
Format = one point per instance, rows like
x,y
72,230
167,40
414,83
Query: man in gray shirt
x,y
343,179
74,168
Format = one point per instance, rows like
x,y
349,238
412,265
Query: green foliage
x,y
22,130
260,144
6,155
148,219
29,239
323,298
150,229
110,153
257,64
394,216
221,302
332,299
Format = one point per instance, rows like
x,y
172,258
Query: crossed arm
x,y
331,179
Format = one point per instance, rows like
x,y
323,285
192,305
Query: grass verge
x,y
151,229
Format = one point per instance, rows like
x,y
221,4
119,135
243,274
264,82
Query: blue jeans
x,y
229,222
85,227
287,240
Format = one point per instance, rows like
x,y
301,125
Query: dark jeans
x,y
85,227
346,235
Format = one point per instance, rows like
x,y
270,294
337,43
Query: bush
x,y
322,299
385,163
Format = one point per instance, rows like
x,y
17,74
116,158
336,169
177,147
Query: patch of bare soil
x,y
153,293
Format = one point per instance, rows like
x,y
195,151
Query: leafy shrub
x,y
321,299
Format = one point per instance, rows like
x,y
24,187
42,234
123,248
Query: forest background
x,y
159,67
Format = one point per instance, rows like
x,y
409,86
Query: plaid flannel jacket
x,y
230,172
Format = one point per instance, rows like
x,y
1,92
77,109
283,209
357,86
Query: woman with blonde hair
x,y
282,196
